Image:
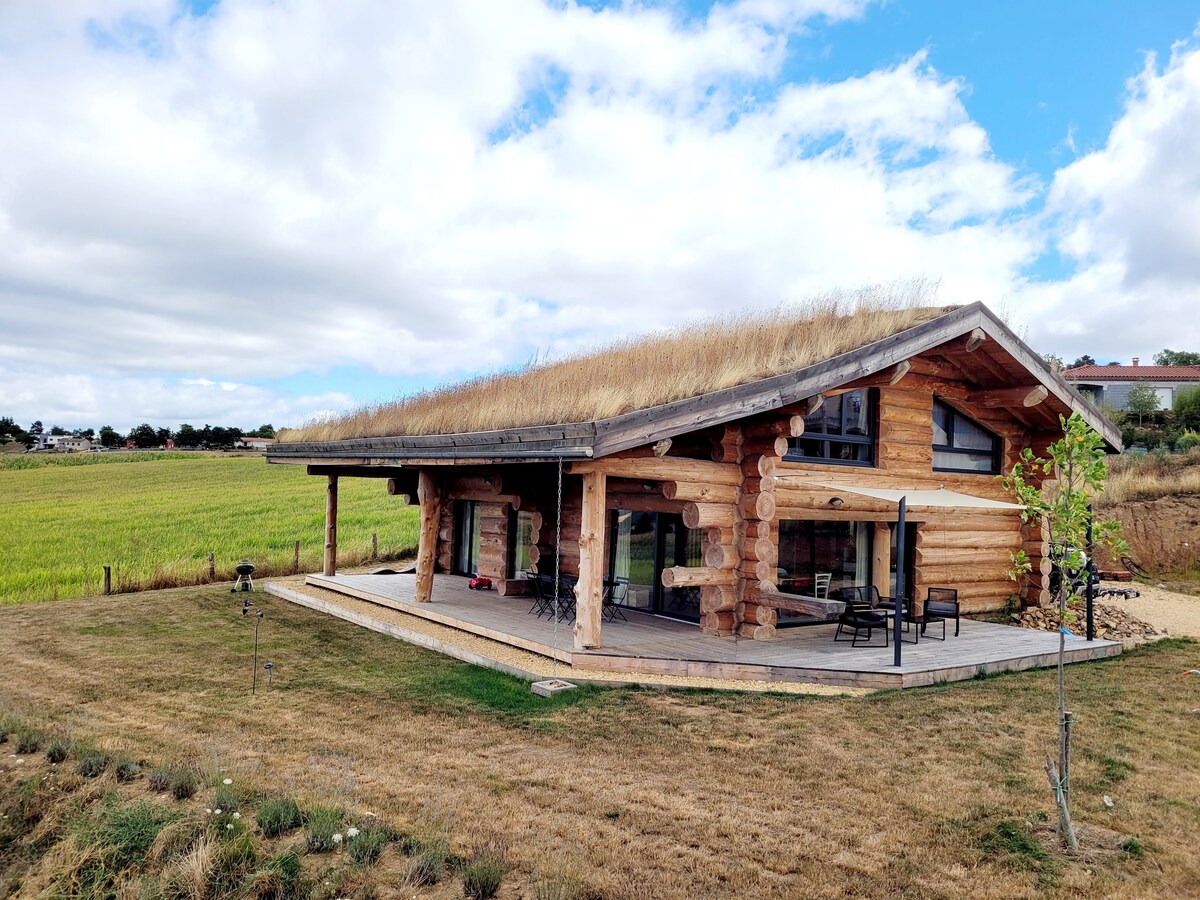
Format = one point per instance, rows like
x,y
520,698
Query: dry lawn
x,y
646,371
1150,476
936,792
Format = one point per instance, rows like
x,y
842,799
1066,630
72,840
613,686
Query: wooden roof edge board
x,y
645,426
409,457
1058,386
577,432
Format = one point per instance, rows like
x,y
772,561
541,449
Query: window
x,y
521,528
808,549
466,538
962,445
842,431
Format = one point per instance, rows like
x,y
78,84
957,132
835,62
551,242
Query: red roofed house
x,y
1110,384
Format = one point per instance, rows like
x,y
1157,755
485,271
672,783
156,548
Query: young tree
x,y
1057,492
109,437
1187,409
1143,400
263,431
1177,358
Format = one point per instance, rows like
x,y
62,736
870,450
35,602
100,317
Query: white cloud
x,y
427,189
1128,216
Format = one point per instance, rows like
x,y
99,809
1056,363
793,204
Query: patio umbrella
x,y
903,498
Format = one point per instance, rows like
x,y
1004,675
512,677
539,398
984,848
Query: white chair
x,y
821,585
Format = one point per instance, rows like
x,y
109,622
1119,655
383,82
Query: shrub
x,y
226,798
484,872
278,816
424,869
92,763
1187,441
28,739
278,878
159,778
365,846
184,782
58,750
1187,409
321,823
125,767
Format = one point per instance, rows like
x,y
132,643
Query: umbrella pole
x,y
899,582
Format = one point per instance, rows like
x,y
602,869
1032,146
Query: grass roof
x,y
645,371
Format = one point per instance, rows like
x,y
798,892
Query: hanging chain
x,y
557,563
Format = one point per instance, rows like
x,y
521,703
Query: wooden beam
x,y
902,368
975,340
881,559
672,469
589,590
429,498
331,498
813,403
1027,396
363,471
662,448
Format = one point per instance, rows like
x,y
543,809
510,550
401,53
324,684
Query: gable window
x,y
841,431
961,444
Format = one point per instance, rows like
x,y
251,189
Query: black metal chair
x,y
867,596
859,616
941,604
537,589
614,598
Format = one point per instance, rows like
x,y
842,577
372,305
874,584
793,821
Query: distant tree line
x,y
143,436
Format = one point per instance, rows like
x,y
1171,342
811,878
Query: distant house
x,y
255,443
1110,384
63,443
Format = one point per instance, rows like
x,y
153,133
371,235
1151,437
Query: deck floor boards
x,y
652,644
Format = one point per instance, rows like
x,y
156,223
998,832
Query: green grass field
x,y
155,517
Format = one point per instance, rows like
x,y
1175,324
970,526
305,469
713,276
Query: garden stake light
x,y
270,667
258,617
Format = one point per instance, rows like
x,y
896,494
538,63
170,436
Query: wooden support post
x,y
331,492
881,561
589,591
430,505
107,580
296,559
375,546
212,567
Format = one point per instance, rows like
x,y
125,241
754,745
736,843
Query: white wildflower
x,y
237,815
229,827
337,838
227,781
216,812
351,832
208,811
1108,801
20,762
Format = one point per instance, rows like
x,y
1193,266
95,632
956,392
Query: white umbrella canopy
x,y
939,497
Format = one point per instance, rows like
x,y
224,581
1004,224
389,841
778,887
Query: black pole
x,y
1089,591
254,678
899,582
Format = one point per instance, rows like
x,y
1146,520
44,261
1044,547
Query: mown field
x,y
155,518
603,793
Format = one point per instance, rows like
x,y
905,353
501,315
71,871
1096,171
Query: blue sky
x,y
245,211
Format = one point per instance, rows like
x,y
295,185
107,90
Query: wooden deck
x,y
649,644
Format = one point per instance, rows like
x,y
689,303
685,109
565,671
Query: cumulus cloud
x,y
428,189
1128,217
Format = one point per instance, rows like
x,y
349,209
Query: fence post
x,y
212,567
296,560
107,580
374,546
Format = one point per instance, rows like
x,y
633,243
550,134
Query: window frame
x,y
954,414
870,439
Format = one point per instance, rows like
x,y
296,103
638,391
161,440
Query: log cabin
x,y
734,478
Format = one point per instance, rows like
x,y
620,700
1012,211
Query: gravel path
x,y
1179,614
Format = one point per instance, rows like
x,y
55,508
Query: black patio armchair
x,y
859,616
941,604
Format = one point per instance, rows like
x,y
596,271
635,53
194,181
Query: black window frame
x,y
870,439
954,416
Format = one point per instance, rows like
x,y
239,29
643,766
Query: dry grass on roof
x,y
646,371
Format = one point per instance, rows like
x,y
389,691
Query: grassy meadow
x,y
600,793
154,517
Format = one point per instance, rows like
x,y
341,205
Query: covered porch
x,y
650,644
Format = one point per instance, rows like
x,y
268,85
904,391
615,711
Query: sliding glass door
x,y
641,545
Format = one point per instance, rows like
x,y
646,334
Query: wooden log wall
x,y
764,444
964,549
